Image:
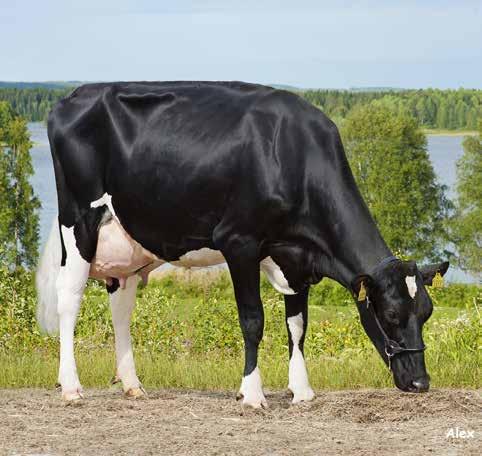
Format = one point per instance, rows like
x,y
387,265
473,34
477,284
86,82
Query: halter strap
x,y
392,347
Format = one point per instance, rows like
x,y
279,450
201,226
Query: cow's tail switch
x,y
45,280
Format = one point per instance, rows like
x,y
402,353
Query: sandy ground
x,y
363,422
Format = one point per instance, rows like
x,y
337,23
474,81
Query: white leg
x,y
122,303
252,390
70,287
298,376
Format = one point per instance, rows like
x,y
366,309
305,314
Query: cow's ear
x,y
362,286
428,272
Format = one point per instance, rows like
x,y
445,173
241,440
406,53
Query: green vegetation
x,y
388,156
186,334
433,108
33,104
467,223
19,206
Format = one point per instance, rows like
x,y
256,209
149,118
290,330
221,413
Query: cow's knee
x,y
253,329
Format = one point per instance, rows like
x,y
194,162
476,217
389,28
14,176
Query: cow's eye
x,y
391,317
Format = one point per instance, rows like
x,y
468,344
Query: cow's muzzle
x,y
421,385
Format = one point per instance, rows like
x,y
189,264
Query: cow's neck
x,y
359,253
352,243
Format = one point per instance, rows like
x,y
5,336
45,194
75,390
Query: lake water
x,y
444,151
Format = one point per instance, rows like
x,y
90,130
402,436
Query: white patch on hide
x,y
252,390
200,258
411,285
104,199
275,276
298,376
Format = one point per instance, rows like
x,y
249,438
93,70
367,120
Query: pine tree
x,y
460,114
442,115
19,220
421,110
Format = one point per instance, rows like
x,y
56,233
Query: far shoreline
x,y
441,132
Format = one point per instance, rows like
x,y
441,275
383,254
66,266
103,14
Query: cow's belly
x,y
119,256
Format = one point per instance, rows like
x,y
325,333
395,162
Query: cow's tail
x,y
45,280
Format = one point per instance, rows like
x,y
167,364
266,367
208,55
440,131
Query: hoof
x,y
251,391
72,396
136,393
302,395
253,402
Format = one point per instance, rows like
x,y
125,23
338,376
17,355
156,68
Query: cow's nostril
x,y
421,384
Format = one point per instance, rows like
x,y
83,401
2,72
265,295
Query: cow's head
x,y
398,302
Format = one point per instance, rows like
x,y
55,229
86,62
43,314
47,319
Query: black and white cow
x,y
198,173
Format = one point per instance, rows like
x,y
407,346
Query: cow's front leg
x,y
244,269
296,307
122,303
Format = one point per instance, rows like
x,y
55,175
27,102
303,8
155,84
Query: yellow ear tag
x,y
362,294
438,281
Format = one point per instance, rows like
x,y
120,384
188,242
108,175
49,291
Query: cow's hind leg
x,y
122,303
296,322
244,268
70,286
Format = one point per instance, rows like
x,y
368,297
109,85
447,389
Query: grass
x,y
216,371
186,335
213,372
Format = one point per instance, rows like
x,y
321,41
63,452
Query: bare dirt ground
x,y
362,422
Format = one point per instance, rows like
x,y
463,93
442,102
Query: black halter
x,y
392,347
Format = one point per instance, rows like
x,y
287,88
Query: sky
x,y
304,43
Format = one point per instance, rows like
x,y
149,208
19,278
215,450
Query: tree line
x,y
433,108
33,104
